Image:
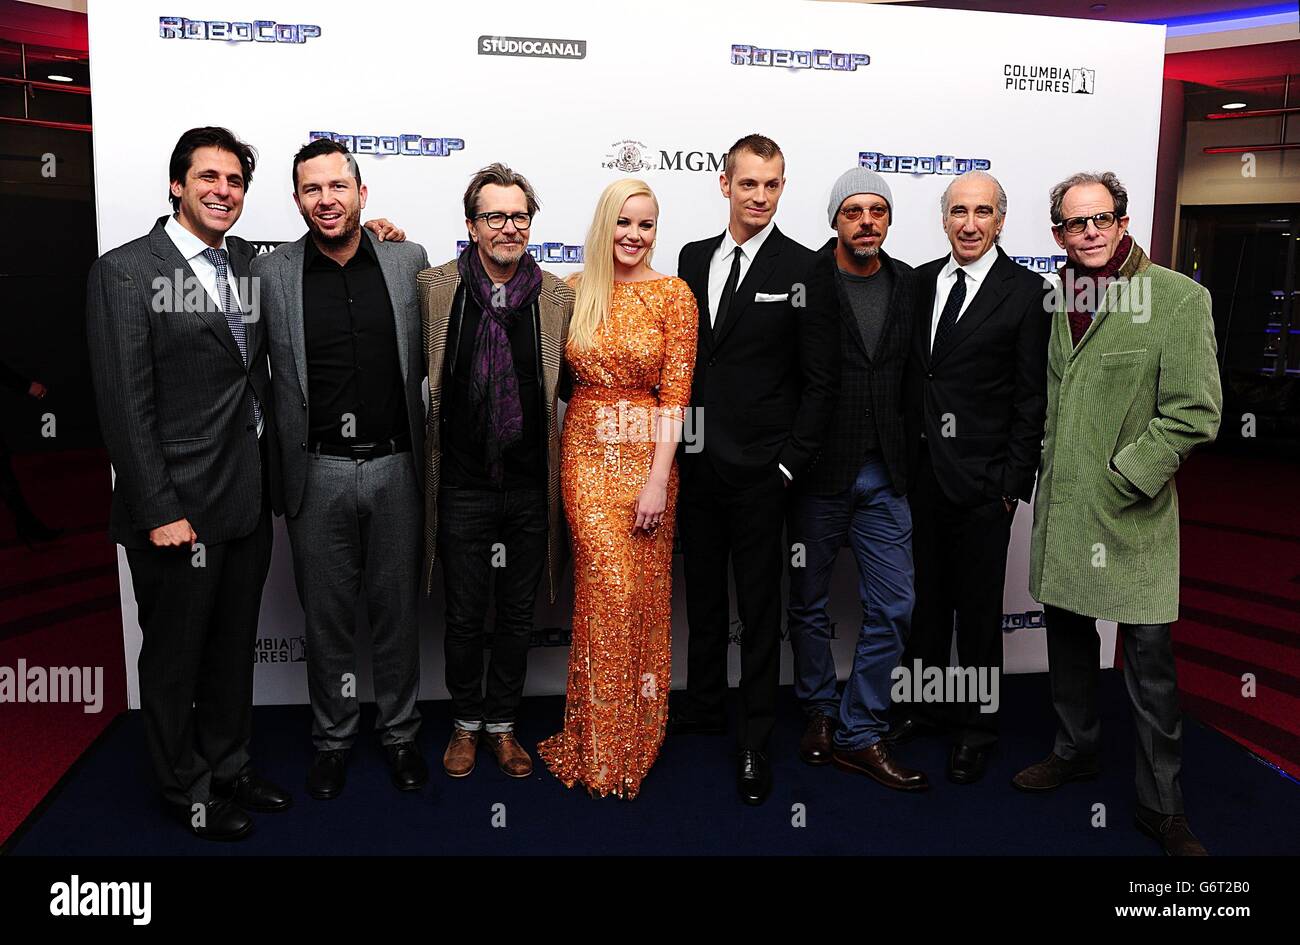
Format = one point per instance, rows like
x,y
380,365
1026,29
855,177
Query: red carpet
x,y
1241,601
59,606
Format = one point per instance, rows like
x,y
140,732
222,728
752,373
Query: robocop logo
x,y
819,59
229,31
534,47
920,163
409,145
545,253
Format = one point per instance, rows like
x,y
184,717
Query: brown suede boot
x,y
510,755
458,759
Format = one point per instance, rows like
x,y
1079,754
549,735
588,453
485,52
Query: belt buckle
x,y
363,451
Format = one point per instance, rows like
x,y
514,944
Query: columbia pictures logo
x,y
280,650
1063,79
533,47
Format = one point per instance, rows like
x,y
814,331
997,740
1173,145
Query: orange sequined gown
x,y
620,663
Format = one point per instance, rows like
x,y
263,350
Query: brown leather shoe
x,y
875,762
1053,771
510,755
458,759
815,746
1170,831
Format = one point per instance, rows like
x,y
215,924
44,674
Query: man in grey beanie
x,y
854,491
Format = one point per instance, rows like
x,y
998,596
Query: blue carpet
x,y
688,804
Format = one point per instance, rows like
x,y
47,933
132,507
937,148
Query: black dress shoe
x,y
684,723
218,819
254,793
328,774
904,730
815,746
410,773
753,777
966,764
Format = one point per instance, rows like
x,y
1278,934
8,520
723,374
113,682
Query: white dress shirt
x,y
976,273
720,266
191,247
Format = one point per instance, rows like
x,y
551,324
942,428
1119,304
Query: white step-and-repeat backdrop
x,y
575,95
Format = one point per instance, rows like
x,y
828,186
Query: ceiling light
x,y
59,78
1233,105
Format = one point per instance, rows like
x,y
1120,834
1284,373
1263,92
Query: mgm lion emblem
x,y
628,157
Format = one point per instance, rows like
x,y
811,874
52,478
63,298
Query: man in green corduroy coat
x,y
1132,387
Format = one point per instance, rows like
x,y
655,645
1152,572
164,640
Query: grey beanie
x,y
858,180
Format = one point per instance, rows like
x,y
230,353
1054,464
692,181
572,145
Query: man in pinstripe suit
x,y
181,379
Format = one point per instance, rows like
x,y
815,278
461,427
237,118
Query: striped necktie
x,y
234,315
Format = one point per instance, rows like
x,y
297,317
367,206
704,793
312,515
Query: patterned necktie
x,y
234,315
728,290
948,317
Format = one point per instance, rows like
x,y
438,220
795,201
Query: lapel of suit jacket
x,y
987,299
550,311
928,282
1116,297
759,270
291,284
393,276
175,268
697,278
438,290
847,315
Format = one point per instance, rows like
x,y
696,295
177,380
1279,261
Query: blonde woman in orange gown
x,y
630,354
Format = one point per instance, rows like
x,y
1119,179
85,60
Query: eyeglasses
x,y
1102,221
497,221
878,212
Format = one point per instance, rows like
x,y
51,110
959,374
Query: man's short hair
x,y
503,176
1118,192
762,146
319,148
208,137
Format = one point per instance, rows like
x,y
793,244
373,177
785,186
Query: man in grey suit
x,y
180,371
342,316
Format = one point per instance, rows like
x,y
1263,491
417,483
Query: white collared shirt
x,y
976,273
191,247
720,266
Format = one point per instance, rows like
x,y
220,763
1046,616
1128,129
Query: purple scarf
x,y
495,410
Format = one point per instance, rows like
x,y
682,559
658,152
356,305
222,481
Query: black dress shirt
x,y
352,361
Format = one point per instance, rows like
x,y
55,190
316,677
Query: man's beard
x,y
497,253
865,252
351,223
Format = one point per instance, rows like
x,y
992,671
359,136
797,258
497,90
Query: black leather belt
x,y
398,444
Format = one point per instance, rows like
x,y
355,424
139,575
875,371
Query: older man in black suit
x,y
766,372
975,399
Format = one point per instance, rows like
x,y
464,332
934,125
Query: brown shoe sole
x,y
513,774
815,761
851,768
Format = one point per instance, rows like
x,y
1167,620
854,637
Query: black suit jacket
x,y
871,382
981,400
765,382
174,394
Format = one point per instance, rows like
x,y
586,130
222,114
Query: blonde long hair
x,y
595,284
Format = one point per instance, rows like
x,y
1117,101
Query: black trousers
x,y
488,538
720,523
198,614
960,556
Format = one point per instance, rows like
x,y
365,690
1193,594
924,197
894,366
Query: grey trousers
x,y
1149,675
357,535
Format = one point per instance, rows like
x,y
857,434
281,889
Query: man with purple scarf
x,y
495,327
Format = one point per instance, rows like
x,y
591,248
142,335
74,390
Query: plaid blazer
x,y
871,383
437,292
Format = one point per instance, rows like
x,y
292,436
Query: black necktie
x,y
728,290
951,308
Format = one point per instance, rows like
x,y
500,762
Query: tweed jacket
x,y
437,292
1124,409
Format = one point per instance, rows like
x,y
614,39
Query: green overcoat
x,y
1124,409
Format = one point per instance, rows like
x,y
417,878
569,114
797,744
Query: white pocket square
x,y
765,297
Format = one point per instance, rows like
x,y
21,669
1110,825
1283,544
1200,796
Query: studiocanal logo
x,y
630,156
1058,79
280,650
819,59
543,252
920,163
410,145
235,31
533,47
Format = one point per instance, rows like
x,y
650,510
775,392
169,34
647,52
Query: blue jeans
x,y
877,522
